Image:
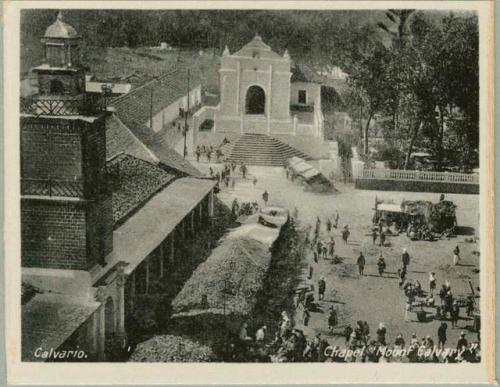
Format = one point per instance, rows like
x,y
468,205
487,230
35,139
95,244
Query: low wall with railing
x,y
423,181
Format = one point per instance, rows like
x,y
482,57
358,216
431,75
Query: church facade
x,y
264,92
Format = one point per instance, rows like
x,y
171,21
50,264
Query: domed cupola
x,y
61,44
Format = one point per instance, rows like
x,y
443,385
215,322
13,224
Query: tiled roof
x,y
120,139
134,182
167,156
133,110
166,89
303,73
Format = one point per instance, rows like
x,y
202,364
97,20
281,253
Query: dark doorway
x,y
302,96
256,100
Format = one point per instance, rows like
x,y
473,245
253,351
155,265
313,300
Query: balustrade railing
x,y
397,174
61,106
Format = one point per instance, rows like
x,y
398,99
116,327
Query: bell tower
x,y
66,211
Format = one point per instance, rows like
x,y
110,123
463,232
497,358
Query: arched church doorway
x,y
255,100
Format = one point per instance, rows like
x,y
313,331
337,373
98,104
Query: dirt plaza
x,y
371,297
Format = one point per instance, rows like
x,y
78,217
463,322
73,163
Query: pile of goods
x,y
228,281
169,348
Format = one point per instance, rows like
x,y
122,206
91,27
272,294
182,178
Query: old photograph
x,y
251,186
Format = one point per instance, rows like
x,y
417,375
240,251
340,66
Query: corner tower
x,y
66,212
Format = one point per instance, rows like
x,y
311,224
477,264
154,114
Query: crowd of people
x,y
290,344
210,153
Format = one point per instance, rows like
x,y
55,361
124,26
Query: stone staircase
x,y
260,149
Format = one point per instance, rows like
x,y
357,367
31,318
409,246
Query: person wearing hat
x,y
361,263
321,288
381,332
462,342
455,313
441,333
381,265
332,319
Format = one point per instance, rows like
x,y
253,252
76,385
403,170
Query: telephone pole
x,y
186,117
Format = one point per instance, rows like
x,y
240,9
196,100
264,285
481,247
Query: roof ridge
x,y
134,91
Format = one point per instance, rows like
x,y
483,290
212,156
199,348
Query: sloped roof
x,y
120,139
60,30
166,155
303,73
156,219
136,105
133,110
49,319
134,182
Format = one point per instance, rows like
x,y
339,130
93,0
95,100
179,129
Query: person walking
x,y
432,283
455,314
374,235
332,319
345,234
336,224
381,265
381,332
318,226
198,153
408,309
332,247
265,197
405,258
456,259
401,276
361,263
254,181
347,333
325,251
441,333
321,288
319,248
329,225
382,238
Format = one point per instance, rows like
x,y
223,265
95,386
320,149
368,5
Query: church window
x,y
302,96
255,100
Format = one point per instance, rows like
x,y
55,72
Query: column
x,y
172,247
200,208
132,291
161,252
100,296
238,88
121,335
269,99
192,221
147,274
211,204
94,335
101,332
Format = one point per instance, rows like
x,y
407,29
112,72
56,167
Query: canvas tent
x,y
308,176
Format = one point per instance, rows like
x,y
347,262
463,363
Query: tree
x,y
370,79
